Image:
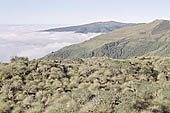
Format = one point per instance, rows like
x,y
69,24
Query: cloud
x,y
23,40
38,52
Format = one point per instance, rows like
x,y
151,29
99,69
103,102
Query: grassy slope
x,y
98,85
147,39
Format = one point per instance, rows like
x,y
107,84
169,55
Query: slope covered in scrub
x,y
93,85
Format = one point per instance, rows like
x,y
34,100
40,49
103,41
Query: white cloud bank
x,y
23,40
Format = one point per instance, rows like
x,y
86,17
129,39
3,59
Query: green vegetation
x,y
92,85
97,27
152,39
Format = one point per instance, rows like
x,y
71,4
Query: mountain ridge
x,y
96,27
146,39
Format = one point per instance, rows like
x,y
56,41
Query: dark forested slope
x,y
97,27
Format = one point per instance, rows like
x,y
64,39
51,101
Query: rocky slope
x,y
97,27
93,85
152,39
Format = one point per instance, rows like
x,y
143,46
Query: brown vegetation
x,y
93,85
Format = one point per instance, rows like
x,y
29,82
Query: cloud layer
x,y
23,40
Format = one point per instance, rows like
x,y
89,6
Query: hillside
x,y
93,85
152,39
97,27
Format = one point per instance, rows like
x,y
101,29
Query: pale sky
x,y
81,11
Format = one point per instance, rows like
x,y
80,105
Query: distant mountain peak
x,y
96,27
160,20
161,26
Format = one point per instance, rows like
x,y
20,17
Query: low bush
x,y
92,85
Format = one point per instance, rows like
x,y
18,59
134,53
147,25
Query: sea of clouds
x,y
26,41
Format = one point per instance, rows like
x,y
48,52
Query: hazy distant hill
x,y
152,39
98,27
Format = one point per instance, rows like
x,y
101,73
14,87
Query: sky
x,y
81,11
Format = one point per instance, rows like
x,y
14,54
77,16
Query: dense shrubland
x,y
93,85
